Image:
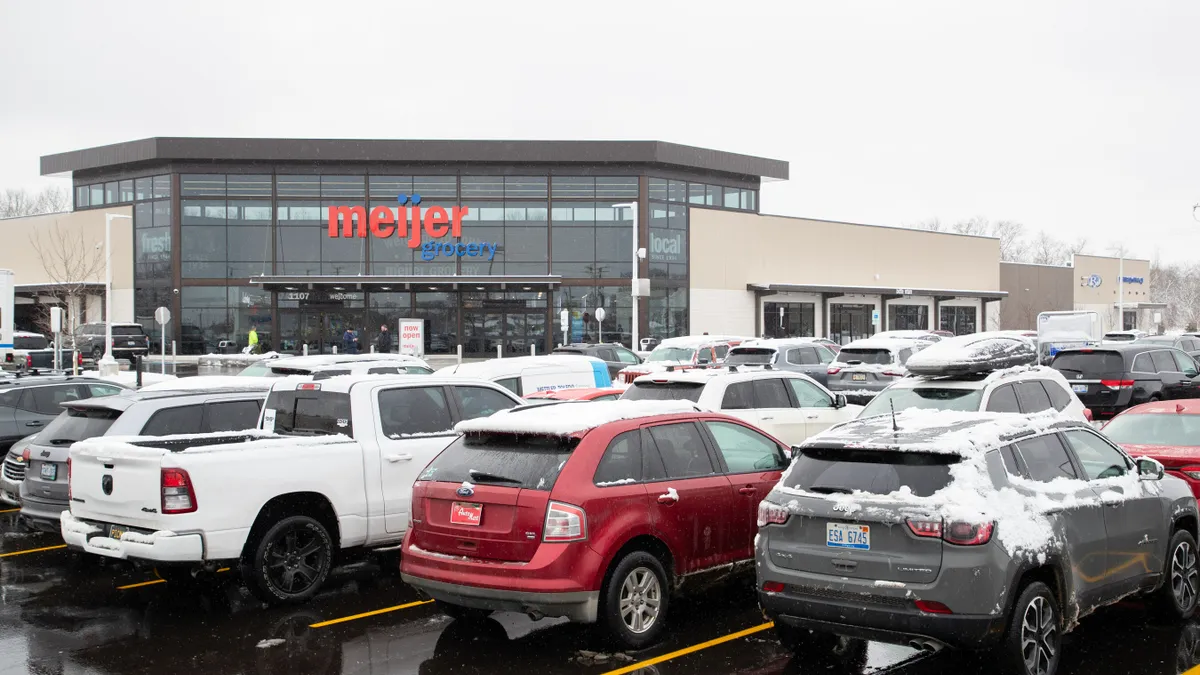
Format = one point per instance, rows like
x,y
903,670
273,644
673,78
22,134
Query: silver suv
x,y
44,493
969,530
798,355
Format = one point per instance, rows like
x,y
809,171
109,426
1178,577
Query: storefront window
x,y
581,303
668,312
97,194
125,190
908,317
202,185
668,242
850,322
958,320
143,188
248,185
81,196
789,319
440,312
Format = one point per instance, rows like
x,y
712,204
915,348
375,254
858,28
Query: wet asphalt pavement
x,y
62,612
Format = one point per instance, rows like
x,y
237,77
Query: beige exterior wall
x,y
1096,285
20,255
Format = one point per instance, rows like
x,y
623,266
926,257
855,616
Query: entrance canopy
x,y
887,291
407,282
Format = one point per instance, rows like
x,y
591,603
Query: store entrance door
x,y
848,323
321,328
511,320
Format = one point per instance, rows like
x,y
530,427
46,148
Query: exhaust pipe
x,y
926,645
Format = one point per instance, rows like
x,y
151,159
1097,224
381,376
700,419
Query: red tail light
x,y
958,532
772,514
177,493
926,528
79,359
1192,472
833,370
772,587
894,373
8,357
1117,384
68,479
932,607
564,522
29,360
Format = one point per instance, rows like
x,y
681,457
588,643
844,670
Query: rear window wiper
x,y
485,477
831,490
63,441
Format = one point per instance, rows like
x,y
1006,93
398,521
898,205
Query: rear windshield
x,y
527,461
310,413
1159,340
1119,337
257,370
1155,429
671,354
30,342
78,425
924,398
666,391
880,357
127,330
878,472
1089,364
744,356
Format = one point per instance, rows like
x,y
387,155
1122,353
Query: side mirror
x,y
839,401
795,452
1150,469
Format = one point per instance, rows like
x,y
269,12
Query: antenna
x,y
895,427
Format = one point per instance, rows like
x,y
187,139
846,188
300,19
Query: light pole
x,y
638,254
108,365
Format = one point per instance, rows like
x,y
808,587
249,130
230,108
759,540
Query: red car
x,y
596,513
604,394
1168,431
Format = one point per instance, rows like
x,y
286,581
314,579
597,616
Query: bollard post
x,y
460,355
74,361
499,351
304,349
137,367
533,349
335,349
372,349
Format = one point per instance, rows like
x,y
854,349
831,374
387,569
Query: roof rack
x,y
732,369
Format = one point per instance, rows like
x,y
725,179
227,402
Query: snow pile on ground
x,y
570,417
209,382
129,377
972,353
236,359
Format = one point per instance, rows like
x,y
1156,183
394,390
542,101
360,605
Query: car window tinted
x,y
682,450
753,356
739,396
481,401
384,370
512,384
1046,459
665,391
880,472
923,398
1003,399
184,419
1163,363
233,415
127,330
606,354
1009,454
408,411
306,412
879,357
46,400
30,342
1186,364
824,354
771,393
902,358
103,390
808,395
1092,365
77,425
622,461
745,450
1098,457
1143,364
529,461
1033,397
626,356
10,398
1059,397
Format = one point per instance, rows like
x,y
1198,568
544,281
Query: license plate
x,y
466,513
1079,388
857,537
50,471
115,532
131,343
858,377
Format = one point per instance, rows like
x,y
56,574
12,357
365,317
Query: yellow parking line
x,y
688,650
364,615
1195,670
11,510
141,583
33,550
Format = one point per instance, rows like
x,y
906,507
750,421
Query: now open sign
x,y
412,337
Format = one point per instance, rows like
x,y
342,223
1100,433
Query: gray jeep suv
x,y
969,530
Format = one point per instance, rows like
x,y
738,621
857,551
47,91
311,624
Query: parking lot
x,y
61,612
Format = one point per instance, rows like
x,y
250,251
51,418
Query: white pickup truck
x,y
331,467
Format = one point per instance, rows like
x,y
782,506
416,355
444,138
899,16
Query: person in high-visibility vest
x,y
252,339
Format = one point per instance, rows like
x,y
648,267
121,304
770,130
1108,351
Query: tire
x,y
97,353
290,561
1177,597
634,601
1033,647
460,613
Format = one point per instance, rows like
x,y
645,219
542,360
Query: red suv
x,y
592,511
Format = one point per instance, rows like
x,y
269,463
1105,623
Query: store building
x,y
235,233
1118,290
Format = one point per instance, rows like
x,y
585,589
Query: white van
x,y
528,374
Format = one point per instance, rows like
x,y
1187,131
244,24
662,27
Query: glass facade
x,y
197,250
789,319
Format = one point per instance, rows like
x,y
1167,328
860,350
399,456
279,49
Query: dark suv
x,y
614,356
129,340
971,531
1187,343
1114,377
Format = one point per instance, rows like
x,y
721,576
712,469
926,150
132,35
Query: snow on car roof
x,y
892,344
697,341
775,343
303,362
928,336
977,380
212,382
703,375
947,432
977,353
342,384
364,366
26,333
510,364
570,418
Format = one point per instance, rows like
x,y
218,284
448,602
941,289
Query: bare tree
x,y
71,265
21,202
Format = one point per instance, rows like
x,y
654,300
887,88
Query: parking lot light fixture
x,y
108,364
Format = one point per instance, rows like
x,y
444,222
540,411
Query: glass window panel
x,y
162,213
249,243
343,186
747,202
212,321
525,268
302,268
667,246
696,192
615,244
298,244
525,244
616,187
389,187
249,213
97,194
573,270
81,196
658,189
202,212
526,212
573,186
677,191
341,249
201,243
482,186
435,187
677,217
126,191
248,185
110,193
143,188
526,187
162,187
153,245
298,186
300,213
733,198
249,296
143,215
202,185
204,270
574,245
713,197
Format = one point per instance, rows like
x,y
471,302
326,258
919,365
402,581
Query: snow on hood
x,y
972,353
571,417
949,432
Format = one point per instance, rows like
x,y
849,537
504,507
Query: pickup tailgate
x,y
117,483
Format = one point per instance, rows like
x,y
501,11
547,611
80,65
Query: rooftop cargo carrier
x,y
968,354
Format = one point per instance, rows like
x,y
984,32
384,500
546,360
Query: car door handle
x,y
667,500
766,417
747,490
35,423
398,458
811,417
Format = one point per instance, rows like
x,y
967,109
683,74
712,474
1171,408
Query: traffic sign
x,y
162,315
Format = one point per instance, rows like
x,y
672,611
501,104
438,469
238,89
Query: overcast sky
x,y
1080,118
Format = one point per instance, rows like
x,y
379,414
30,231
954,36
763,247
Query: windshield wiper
x,y
485,477
304,432
63,441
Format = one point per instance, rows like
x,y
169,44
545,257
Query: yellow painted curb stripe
x,y
140,584
11,510
689,650
364,615
33,550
